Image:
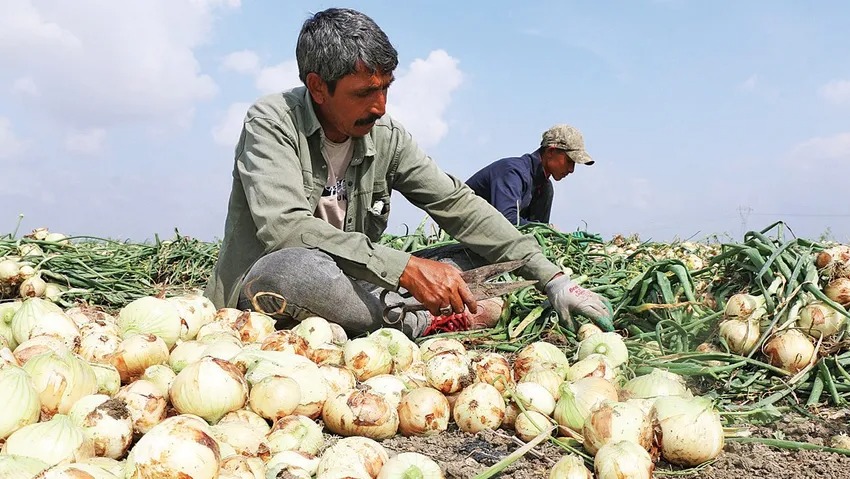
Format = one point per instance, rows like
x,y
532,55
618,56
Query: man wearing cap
x,y
520,187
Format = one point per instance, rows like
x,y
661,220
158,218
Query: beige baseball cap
x,y
569,139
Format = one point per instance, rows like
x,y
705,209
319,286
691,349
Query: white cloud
x,y
819,151
25,85
420,96
282,76
226,133
750,83
10,144
87,142
99,64
243,61
836,92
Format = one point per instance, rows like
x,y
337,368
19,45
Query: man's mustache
x,y
368,120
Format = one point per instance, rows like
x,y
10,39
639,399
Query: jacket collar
x,y
537,173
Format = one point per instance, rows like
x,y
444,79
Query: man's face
x,y
358,101
559,164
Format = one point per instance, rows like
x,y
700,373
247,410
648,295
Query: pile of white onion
x,y
172,386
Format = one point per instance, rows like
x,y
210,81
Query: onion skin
x,y
423,412
360,413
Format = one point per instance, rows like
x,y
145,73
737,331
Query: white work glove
x,y
568,298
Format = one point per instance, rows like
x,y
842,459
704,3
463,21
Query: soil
x,y
463,456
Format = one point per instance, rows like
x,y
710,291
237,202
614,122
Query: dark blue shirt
x,y
516,186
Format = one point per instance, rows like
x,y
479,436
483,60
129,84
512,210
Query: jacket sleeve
x,y
467,217
271,174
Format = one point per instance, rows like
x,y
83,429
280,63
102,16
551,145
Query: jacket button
x,y
383,274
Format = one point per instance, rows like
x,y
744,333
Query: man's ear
x,y
317,87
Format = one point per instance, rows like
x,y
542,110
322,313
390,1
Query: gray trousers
x,y
294,283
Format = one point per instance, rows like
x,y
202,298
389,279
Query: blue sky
x,y
118,119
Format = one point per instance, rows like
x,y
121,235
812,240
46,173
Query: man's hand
x,y
569,298
437,285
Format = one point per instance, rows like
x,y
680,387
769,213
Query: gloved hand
x,y
569,298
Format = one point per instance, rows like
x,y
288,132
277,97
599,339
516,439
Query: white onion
x,y
838,290
745,306
616,421
338,378
54,441
350,452
296,433
478,407
587,329
423,412
360,413
547,378
13,466
579,397
296,464
530,424
136,352
657,383
315,330
160,375
244,439
409,465
21,405
180,446
286,340
740,334
250,325
691,430
570,466
388,386
153,316
594,365
622,460
820,320
39,345
367,357
540,354
275,397
433,346
402,350
494,369
98,346
105,422
790,350
241,467
44,315
107,377
449,371
534,397
249,418
610,344
145,402
186,353
32,287
328,353
195,310
60,379
190,390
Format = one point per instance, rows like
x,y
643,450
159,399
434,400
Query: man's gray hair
x,y
333,41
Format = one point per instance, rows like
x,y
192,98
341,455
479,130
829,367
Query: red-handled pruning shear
x,y
476,279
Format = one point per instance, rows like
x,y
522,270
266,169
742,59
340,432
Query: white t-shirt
x,y
334,200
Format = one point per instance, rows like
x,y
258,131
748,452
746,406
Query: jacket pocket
x,y
377,215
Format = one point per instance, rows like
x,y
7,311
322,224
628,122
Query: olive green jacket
x,y
278,178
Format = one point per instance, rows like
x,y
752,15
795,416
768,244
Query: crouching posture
x,y
314,170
